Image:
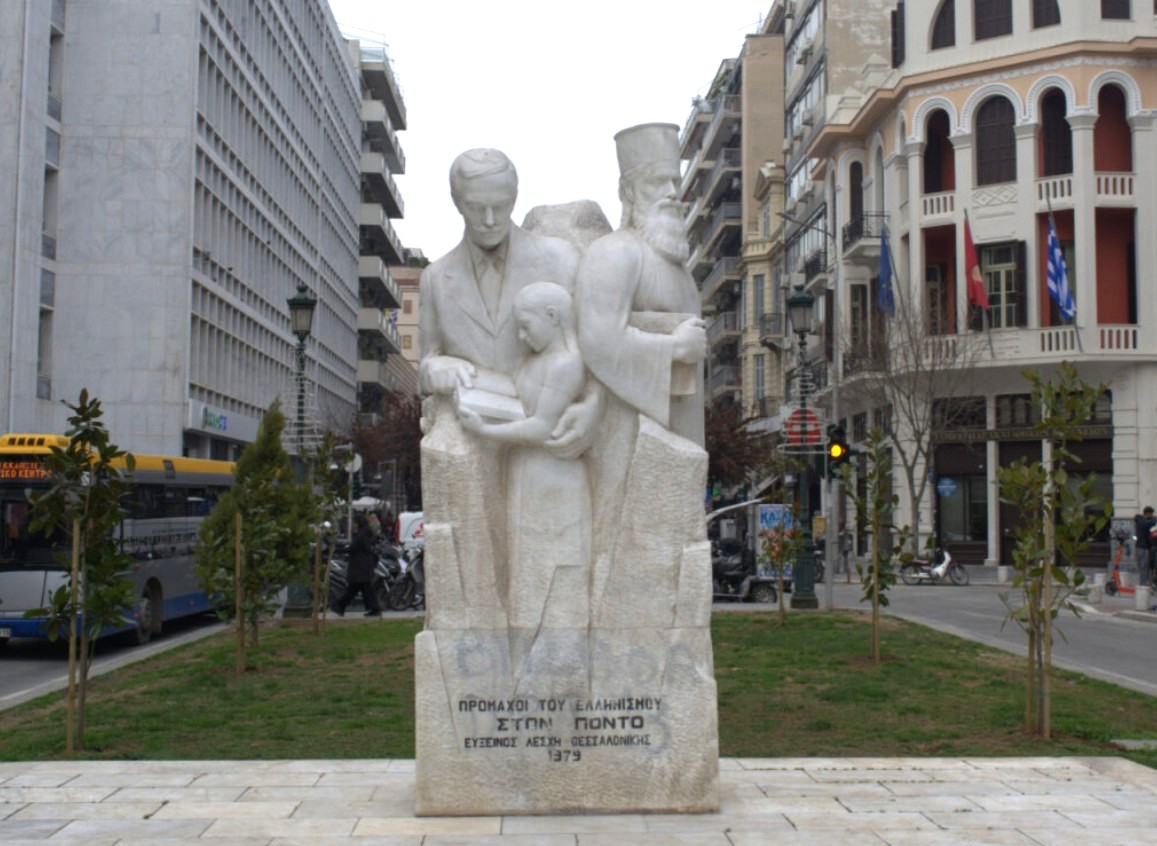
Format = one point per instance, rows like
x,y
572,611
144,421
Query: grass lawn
x,y
809,689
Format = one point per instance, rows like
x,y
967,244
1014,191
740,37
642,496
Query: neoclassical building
x,y
999,113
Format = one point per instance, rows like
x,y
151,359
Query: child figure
x,y
548,498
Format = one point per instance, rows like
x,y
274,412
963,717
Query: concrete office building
x,y
177,169
1004,111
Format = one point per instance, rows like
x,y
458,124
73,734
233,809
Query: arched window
x,y
1056,138
1045,13
939,160
991,18
995,142
944,27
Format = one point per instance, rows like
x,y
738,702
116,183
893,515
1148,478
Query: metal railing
x,y
868,225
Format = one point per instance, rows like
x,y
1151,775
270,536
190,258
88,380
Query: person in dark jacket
x,y
1143,525
360,573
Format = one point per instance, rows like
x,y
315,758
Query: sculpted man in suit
x,y
468,333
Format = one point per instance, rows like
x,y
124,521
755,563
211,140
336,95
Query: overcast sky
x,y
549,83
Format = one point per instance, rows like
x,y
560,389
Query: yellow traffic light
x,y
837,450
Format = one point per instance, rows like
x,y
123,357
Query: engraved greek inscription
x,y
633,721
524,723
564,756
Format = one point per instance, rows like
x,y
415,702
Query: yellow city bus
x,y
169,498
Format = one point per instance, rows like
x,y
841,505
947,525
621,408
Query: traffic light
x,y
838,450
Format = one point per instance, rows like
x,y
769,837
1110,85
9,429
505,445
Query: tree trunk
x,y
70,724
238,597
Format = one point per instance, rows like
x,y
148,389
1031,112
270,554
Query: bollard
x,y
1003,572
1096,594
1141,598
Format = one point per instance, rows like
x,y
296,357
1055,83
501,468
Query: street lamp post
x,y
298,602
301,306
800,310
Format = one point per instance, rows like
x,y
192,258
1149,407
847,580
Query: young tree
x,y
877,508
913,368
396,438
1060,515
734,451
84,506
277,520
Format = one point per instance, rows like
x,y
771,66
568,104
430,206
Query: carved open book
x,y
492,397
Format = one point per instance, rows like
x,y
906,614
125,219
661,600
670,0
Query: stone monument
x,y
566,662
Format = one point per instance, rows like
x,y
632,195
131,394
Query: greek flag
x,y
885,298
1058,279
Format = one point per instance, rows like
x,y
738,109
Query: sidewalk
x,y
905,802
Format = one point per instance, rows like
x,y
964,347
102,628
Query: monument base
x,y
631,730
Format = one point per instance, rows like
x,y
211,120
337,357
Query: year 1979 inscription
x,y
552,724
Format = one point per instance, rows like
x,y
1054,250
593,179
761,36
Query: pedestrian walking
x,y
1144,524
360,572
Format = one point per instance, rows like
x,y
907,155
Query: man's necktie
x,y
490,286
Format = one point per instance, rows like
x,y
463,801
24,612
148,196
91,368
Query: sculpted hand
x,y
575,431
690,341
446,374
469,419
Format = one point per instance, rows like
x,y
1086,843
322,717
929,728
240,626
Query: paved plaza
x,y
905,802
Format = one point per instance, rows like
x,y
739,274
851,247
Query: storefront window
x,y
964,512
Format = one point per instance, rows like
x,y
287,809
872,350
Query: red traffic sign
x,y
803,427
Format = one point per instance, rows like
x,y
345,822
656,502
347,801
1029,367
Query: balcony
x,y
376,287
862,359
377,177
377,234
727,166
766,407
379,78
1054,191
861,237
376,328
816,267
771,330
376,375
1115,189
696,126
724,328
725,270
690,186
723,380
938,208
727,216
377,130
728,110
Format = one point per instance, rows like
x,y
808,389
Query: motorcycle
x,y
734,576
940,567
409,589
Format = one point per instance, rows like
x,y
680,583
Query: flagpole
x,y
1053,226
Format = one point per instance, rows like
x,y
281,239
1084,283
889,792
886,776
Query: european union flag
x,y
886,300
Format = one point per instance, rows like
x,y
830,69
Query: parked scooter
x,y
409,590
940,567
734,575
387,573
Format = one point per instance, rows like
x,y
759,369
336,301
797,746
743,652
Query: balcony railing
x,y
770,327
730,158
376,69
725,269
375,322
814,265
382,239
378,287
1055,190
381,182
725,107
728,214
725,323
942,204
727,377
376,125
866,226
1114,189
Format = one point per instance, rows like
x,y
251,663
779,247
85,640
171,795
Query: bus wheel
x,y
148,609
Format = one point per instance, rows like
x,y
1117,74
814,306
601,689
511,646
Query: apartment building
x,y
177,170
727,142
383,114
995,118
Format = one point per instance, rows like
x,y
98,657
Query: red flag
x,y
977,295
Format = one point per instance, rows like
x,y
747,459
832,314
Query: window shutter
x,y
1021,284
898,35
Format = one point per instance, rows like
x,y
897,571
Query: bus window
x,y
20,547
